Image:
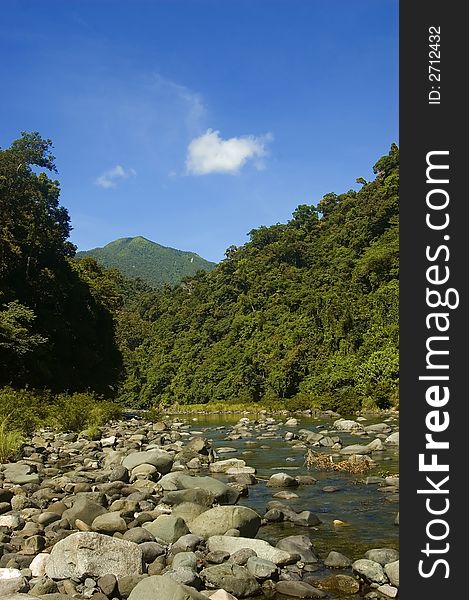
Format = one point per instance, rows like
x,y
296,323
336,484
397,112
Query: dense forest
x,y
305,312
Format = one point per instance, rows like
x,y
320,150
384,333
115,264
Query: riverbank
x,y
190,505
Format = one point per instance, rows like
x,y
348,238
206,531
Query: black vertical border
x,y
424,128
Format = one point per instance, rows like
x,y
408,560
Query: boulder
x,y
221,493
109,523
383,556
336,560
167,528
370,571
94,555
348,425
260,547
160,459
298,589
298,544
84,510
161,587
234,579
260,568
392,571
282,480
219,520
11,581
393,439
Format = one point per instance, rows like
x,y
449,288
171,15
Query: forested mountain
x,y
156,265
306,310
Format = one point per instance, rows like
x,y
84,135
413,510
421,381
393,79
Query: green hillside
x,y
155,264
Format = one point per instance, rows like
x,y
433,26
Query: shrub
x,y
80,411
10,440
24,409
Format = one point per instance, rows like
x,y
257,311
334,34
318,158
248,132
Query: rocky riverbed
x,y
203,507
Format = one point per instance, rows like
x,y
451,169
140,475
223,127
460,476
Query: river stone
x,y
186,542
222,493
336,560
222,466
393,439
261,548
196,496
348,425
38,565
231,577
109,523
138,535
378,428
161,587
338,583
144,471
356,449
188,511
298,589
160,459
261,568
370,570
282,480
126,584
11,581
219,520
186,560
83,509
392,571
221,595
291,422
94,555
167,528
299,544
383,556
388,590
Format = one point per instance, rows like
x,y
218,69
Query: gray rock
x,y
261,548
11,581
151,551
160,459
282,480
186,560
221,493
164,588
126,584
383,556
241,557
186,542
388,590
348,425
107,584
336,560
95,555
222,466
392,571
83,509
219,520
138,535
298,589
167,528
370,570
392,439
231,577
301,545
109,523
261,568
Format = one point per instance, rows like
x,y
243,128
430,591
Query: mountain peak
x,y
140,257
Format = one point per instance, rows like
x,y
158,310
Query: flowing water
x,y
368,513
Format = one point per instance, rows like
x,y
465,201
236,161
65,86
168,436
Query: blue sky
x,y
191,122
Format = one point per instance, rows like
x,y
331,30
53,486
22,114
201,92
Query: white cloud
x,y
109,178
209,153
